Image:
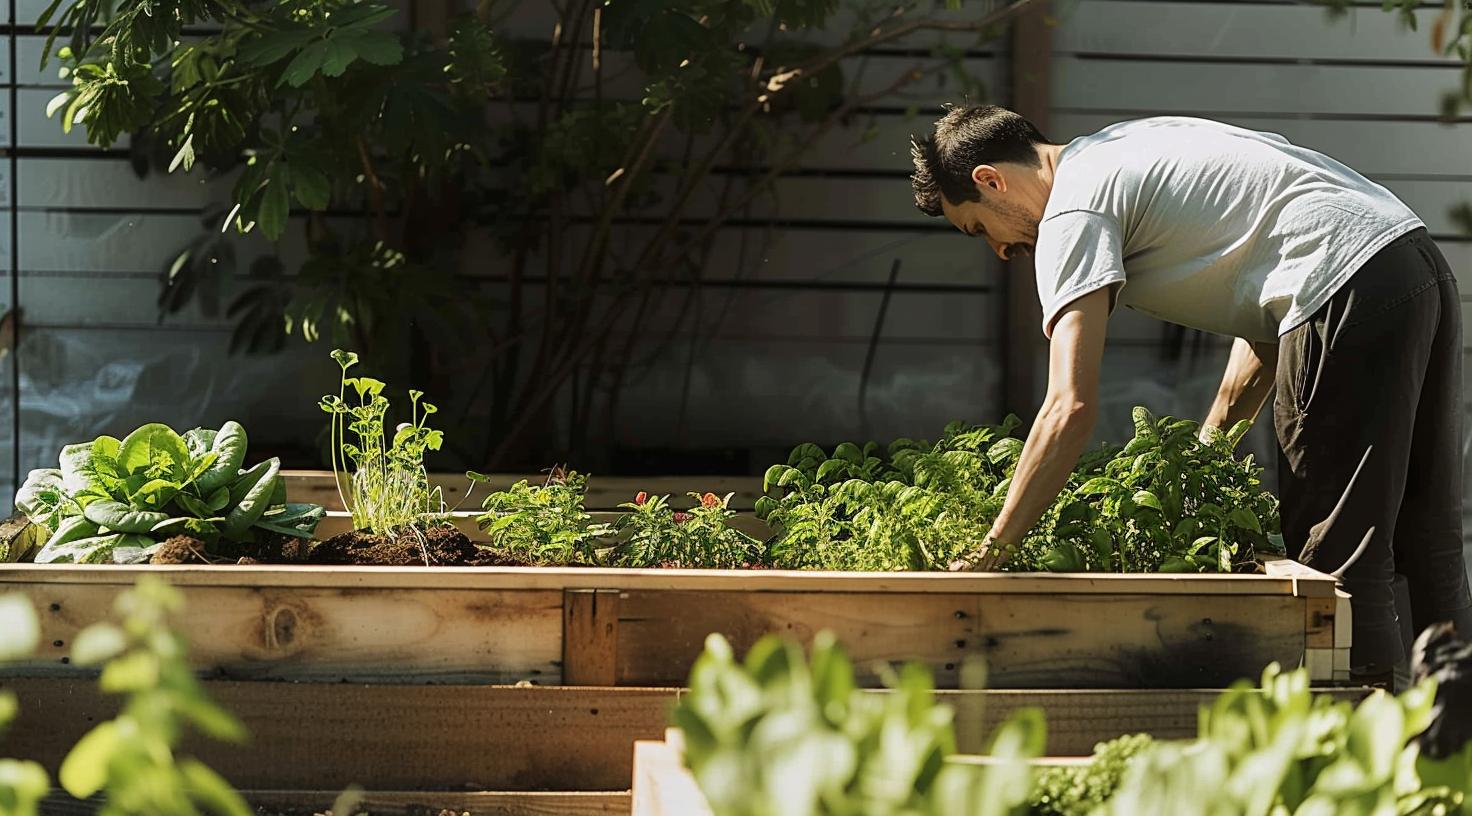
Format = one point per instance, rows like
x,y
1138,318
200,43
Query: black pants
x,y
1379,369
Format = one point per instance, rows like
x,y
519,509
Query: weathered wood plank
x,y
264,577
590,637
317,736
1083,641
399,803
330,633
662,785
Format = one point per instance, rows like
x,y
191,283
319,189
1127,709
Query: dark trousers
x,y
1379,370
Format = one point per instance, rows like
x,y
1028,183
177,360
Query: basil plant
x,y
116,500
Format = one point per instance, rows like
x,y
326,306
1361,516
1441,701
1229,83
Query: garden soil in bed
x,y
437,546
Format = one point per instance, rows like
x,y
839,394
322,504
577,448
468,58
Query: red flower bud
x,y
681,518
641,497
710,500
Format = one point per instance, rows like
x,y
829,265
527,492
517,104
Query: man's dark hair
x,y
965,138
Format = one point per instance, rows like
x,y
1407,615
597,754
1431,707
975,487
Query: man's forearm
x,y
1246,384
1058,437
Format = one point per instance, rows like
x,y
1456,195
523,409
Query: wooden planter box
x,y
528,751
612,627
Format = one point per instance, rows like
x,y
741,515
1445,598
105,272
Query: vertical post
x,y
590,637
1030,89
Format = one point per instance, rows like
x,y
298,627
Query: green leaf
x,y
133,672
258,483
60,547
146,445
337,57
229,446
199,441
376,47
20,631
274,207
1175,563
98,643
210,789
122,518
831,468
306,64
26,783
1145,498
274,46
85,769
1063,557
311,187
1244,518
1098,486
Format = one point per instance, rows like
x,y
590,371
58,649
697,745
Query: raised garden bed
x,y
645,627
502,750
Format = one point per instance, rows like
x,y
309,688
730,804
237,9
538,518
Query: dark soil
x,y
272,550
439,546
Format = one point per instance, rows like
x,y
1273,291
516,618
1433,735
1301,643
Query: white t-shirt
x,y
1208,225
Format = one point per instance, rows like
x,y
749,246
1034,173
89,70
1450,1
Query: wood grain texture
x,y
398,803
330,633
662,784
267,577
317,736
590,637
1027,641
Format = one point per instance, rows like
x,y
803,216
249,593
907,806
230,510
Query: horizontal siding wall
x,y
788,311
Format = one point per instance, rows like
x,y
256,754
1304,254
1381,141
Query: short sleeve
x,y
1077,252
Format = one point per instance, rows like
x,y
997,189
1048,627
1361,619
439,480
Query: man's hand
x,y
1062,428
1246,385
992,554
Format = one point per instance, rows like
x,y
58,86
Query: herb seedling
x,y
544,523
388,488
654,535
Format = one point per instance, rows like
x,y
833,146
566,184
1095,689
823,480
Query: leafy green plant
x,y
388,489
23,784
130,760
652,534
1078,790
116,501
779,733
543,523
1284,750
917,508
1166,502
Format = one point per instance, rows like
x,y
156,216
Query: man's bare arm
x,y
1246,385
1062,429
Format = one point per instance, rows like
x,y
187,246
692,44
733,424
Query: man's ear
x,y
986,175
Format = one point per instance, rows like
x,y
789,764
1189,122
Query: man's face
x,y
999,217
